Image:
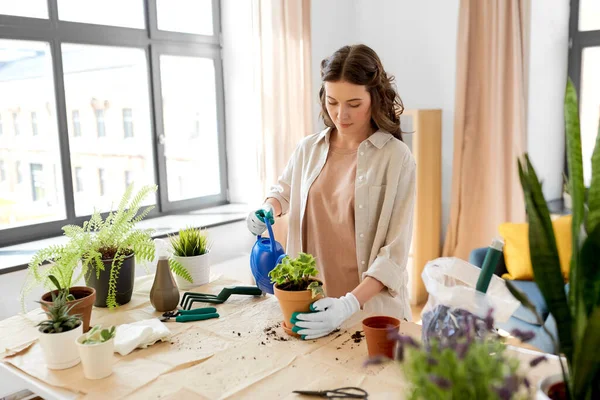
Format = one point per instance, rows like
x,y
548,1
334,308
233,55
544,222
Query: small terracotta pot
x,y
291,302
376,331
84,300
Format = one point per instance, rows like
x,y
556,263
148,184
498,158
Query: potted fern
x,y
190,261
577,313
58,334
295,286
96,350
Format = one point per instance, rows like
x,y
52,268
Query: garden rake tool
x,y
189,298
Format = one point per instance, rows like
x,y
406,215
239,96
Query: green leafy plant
x,y
295,274
113,238
190,242
470,363
59,319
578,313
98,335
60,289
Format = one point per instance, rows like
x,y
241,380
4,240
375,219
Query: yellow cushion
x,y
516,248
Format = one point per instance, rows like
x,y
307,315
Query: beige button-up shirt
x,y
384,206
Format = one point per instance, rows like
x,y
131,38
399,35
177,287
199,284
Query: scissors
x,y
341,393
197,314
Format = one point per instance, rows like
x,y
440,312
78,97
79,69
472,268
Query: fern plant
x,y
111,239
190,242
59,319
296,274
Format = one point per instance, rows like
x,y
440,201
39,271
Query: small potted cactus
x,y
96,349
58,334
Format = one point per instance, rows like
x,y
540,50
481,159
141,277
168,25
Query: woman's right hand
x,y
255,219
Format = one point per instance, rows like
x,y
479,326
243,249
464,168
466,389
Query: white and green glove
x,y
328,314
256,219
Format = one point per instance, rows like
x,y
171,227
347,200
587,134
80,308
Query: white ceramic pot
x,y
545,384
199,269
59,349
97,359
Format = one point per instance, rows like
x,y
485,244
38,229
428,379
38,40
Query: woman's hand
x,y
328,314
255,219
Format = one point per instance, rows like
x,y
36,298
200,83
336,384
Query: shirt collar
x,y
377,139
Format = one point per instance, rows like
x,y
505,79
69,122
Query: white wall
x,y
548,59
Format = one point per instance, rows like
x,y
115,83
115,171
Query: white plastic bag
x,y
451,283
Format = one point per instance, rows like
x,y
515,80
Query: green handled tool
x,y
198,314
189,298
490,261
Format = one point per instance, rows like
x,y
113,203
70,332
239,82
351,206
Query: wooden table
x,y
243,354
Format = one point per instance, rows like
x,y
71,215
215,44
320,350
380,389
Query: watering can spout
x,y
271,236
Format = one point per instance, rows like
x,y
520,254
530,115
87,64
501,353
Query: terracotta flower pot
x,y
291,302
84,300
376,331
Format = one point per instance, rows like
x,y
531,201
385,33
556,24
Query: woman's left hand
x,y
328,314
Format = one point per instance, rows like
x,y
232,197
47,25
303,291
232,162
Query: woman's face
x,y
349,107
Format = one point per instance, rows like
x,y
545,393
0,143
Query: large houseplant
x,y
296,287
577,313
106,250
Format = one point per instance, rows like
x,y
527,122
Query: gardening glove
x,y
328,314
256,219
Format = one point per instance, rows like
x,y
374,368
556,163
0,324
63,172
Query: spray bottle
x,y
164,294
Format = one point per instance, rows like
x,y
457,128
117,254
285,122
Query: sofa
x,y
524,319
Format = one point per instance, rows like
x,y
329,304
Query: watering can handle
x,y
271,237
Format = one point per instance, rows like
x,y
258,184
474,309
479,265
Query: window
x,y
76,123
2,171
34,124
1,131
18,172
78,179
584,64
114,60
127,123
16,128
100,126
38,191
128,178
101,181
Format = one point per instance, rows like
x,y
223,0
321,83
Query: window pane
x,y
189,106
589,15
127,122
27,88
124,13
100,82
187,16
590,106
25,8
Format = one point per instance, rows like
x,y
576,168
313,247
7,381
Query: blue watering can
x,y
266,254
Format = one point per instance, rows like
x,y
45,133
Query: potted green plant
x,y
58,333
96,350
296,287
190,261
56,267
469,364
577,313
116,244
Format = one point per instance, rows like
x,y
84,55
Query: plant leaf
x,y
55,282
590,271
588,359
593,219
544,255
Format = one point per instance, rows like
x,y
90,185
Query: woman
x,y
349,191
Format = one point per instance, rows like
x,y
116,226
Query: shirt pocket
x,y
376,197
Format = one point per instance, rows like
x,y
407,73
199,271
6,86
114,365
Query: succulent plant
x,y
98,335
59,320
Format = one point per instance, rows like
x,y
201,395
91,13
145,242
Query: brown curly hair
x,y
360,65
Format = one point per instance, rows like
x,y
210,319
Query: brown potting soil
x,y
558,391
296,287
108,253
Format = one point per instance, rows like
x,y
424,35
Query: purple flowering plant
x,y
466,363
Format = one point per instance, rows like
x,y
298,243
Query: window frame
x,y
154,42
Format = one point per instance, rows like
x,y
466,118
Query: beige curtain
x,y
490,121
282,35
283,78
